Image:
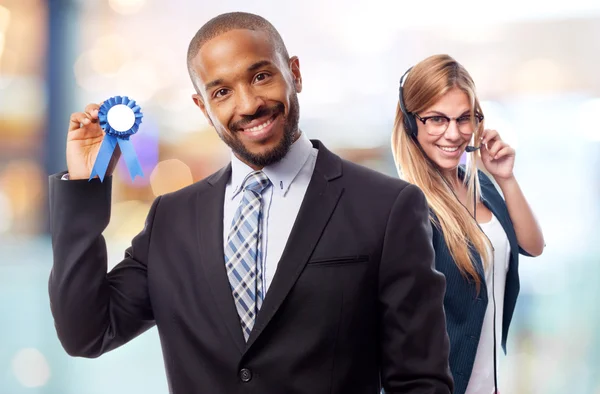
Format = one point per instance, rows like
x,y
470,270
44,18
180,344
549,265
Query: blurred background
x,y
536,69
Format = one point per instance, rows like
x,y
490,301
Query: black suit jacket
x,y
355,302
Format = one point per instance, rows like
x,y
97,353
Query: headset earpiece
x,y
410,122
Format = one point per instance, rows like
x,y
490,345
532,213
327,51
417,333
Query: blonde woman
x,y
477,234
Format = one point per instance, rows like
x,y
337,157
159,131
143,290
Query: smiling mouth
x,y
261,126
449,149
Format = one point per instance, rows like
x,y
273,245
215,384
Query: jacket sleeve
x,y
94,311
414,342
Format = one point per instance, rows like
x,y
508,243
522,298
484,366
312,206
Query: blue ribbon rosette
x,y
120,118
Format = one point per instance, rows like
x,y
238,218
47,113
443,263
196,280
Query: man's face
x,y
249,94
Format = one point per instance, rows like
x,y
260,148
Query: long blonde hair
x,y
426,83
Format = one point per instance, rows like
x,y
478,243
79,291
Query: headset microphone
x,y
472,148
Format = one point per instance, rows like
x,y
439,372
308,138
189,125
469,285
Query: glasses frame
x,y
449,120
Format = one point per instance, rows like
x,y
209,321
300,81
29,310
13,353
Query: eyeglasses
x,y
438,124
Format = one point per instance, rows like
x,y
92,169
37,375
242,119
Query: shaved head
x,y
225,22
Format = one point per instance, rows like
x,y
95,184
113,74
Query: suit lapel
x,y
210,240
317,207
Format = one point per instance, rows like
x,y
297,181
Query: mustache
x,y
260,113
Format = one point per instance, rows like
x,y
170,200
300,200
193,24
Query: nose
x,y
452,133
248,102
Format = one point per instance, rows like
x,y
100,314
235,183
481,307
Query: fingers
x,y
82,119
77,120
506,151
494,147
92,111
489,135
497,150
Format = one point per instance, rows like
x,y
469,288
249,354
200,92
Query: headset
x,y
410,121
410,126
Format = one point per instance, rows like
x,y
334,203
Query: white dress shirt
x,y
280,201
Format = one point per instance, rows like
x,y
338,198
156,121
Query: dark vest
x,y
465,308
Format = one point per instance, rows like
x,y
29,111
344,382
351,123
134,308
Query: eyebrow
x,y
259,64
443,114
212,84
251,68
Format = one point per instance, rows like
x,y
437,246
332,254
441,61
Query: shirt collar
x,y
281,174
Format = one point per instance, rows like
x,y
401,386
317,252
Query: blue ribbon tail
x,y
104,155
130,158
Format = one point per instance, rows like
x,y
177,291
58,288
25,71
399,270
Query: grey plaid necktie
x,y
243,252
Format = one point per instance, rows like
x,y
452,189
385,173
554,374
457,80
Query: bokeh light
x,y
31,368
127,7
169,176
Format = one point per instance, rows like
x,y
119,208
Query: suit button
x,y
245,375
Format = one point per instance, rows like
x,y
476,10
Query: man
x,y
288,271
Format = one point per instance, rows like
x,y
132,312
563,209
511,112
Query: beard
x,y
275,154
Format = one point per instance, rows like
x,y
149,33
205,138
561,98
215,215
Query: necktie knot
x,y
256,182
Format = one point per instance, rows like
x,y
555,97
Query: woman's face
x,y
445,148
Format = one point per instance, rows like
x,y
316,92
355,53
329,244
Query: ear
x,y
294,65
199,101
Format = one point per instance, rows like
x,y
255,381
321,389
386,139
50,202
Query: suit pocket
x,y
339,260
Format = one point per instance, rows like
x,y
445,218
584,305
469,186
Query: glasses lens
x,y
436,125
467,124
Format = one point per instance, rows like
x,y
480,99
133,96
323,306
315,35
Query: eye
x,y
220,93
465,119
437,120
261,77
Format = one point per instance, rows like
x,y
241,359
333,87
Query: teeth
x,y
260,126
448,149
